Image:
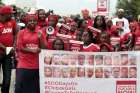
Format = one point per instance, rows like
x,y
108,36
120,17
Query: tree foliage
x,y
131,7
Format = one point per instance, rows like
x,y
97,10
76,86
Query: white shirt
x,y
123,22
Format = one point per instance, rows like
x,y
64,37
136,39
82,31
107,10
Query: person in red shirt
x,y
29,43
88,46
86,17
7,39
128,40
42,22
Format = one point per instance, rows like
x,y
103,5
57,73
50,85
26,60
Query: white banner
x,y
102,5
82,72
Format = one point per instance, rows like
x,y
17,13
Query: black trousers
x,y
27,81
6,64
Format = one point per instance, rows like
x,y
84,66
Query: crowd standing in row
x,y
40,30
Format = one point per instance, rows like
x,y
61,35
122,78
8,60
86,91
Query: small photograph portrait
x,y
89,72
81,72
81,59
108,60
48,71
124,59
124,72
65,72
73,72
48,60
73,59
64,59
132,72
56,59
99,72
132,59
99,59
90,60
116,72
116,60
107,72
57,72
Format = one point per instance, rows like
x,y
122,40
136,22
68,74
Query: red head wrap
x,y
6,10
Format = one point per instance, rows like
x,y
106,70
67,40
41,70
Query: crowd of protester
x,y
30,32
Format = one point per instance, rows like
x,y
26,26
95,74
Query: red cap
x,y
6,10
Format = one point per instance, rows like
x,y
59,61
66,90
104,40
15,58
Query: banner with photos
x,y
86,72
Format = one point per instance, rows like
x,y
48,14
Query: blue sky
x,y
67,7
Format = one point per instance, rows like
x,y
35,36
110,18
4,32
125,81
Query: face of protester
x,y
99,21
73,27
78,35
32,22
104,49
42,15
109,23
85,37
84,24
7,17
58,45
52,22
120,14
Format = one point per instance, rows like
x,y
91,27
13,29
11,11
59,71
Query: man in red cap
x,y
7,38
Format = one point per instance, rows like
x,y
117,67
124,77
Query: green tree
x,y
131,7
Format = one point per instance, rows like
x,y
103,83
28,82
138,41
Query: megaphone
x,y
50,30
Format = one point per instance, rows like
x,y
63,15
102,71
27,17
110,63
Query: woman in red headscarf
x,y
29,42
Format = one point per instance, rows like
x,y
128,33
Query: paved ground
x,y
12,81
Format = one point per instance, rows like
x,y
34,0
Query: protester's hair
x,y
61,42
103,24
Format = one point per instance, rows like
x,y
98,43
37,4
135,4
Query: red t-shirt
x,y
7,33
91,48
30,40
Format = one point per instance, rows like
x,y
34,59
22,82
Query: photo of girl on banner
x,y
99,72
48,60
65,72
132,59
90,72
107,72
81,72
116,60
90,60
56,59
116,72
124,59
48,71
99,59
132,72
73,59
73,72
57,72
81,59
108,60
124,72
64,59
